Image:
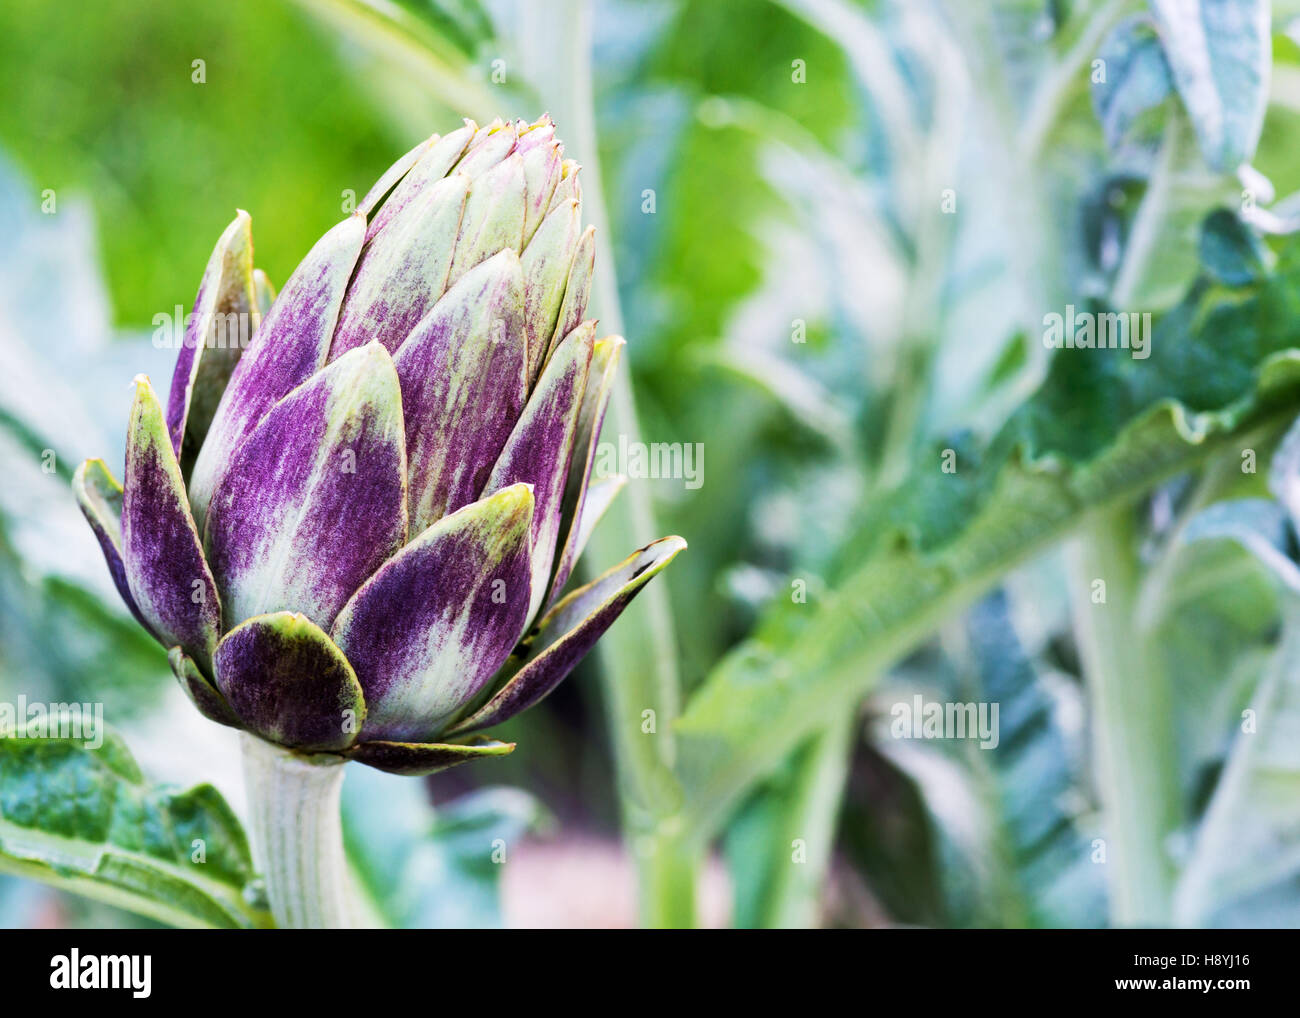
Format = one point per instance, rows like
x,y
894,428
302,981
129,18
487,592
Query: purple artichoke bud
x,y
352,534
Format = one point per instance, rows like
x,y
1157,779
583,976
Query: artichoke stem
x,y
297,836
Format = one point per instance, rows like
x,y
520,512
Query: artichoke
x,y
352,532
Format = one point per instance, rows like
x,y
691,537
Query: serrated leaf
x,y
1102,428
83,818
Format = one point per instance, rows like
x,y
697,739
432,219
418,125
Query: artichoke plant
x,y
353,533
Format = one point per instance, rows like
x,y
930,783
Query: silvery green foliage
x,y
1243,868
442,868
84,818
1220,54
63,632
1133,83
1267,528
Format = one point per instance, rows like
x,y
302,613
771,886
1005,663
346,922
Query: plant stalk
x,y
667,862
638,655
810,817
297,836
1131,704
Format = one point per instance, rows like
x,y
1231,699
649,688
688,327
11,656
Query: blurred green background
x,y
797,296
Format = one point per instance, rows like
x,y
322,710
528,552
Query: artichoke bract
x,y
352,533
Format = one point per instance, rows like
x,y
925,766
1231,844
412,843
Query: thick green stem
x,y
810,818
1144,235
297,836
1131,696
667,867
1131,710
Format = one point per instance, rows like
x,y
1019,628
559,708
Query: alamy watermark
x,y
917,719
75,971
220,330
1101,330
679,461
83,722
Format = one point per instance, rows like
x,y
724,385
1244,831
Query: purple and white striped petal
x,y
434,164
434,624
100,498
224,317
161,555
415,759
463,387
540,448
540,132
315,498
543,165
403,270
568,189
489,146
546,262
210,703
604,362
290,346
494,216
577,289
569,631
288,683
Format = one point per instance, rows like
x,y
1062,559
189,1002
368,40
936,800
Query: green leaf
x,y
426,869
1136,84
969,833
64,630
428,49
1029,777
804,399
1258,525
461,22
1244,868
1103,428
1215,636
83,819
1220,52
1230,252
921,863
68,644
780,845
